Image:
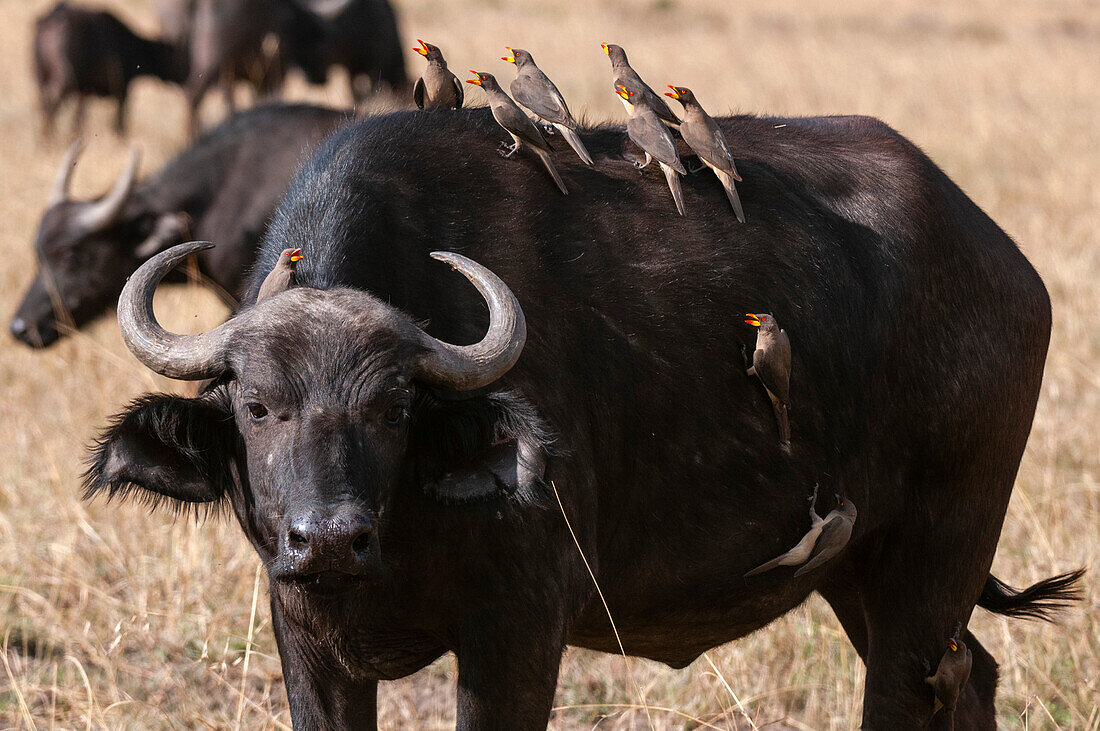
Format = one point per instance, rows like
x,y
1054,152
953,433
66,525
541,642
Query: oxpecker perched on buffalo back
x,y
438,87
647,132
534,90
517,124
705,137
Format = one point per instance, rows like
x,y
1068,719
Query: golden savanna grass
x,y
116,618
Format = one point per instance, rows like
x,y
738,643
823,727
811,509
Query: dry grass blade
x,y
626,658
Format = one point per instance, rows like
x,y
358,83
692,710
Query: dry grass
x,y
112,617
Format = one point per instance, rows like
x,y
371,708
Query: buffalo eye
x,y
256,411
394,414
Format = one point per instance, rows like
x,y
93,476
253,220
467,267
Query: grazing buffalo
x,y
258,41
81,52
224,187
397,462
361,36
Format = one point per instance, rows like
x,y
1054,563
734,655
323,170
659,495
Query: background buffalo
x,y
992,92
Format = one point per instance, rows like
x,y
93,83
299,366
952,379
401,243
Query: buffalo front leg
x,y
320,692
506,685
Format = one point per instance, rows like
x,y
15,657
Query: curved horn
x,y
64,179
101,214
186,357
466,367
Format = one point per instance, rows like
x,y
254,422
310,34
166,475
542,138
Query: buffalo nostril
x,y
361,542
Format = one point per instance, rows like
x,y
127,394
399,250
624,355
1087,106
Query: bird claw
x,y
694,170
506,151
549,129
813,498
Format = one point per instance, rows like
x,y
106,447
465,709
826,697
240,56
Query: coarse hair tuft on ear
x,y
168,451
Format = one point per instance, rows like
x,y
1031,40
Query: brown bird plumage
x,y
771,363
517,124
647,132
281,275
836,531
952,673
535,91
705,137
623,73
438,87
802,550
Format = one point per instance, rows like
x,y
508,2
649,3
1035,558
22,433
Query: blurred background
x,y
115,617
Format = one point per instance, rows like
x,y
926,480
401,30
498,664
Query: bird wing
x,y
418,93
709,144
796,555
648,133
542,98
511,117
773,372
835,535
458,91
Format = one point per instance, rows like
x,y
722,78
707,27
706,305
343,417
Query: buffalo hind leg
x,y
506,685
921,579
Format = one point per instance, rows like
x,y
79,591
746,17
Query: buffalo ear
x,y
166,448
169,229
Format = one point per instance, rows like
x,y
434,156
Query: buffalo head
x,y
324,404
85,251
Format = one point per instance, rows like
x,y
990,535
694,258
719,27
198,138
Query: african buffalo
x,y
361,36
260,40
81,52
225,187
401,484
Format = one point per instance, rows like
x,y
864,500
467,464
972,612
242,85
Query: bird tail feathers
x,y
766,566
731,193
574,141
545,157
783,421
674,185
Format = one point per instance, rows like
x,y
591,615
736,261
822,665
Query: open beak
x,y
511,57
954,647
296,255
423,50
474,81
674,94
752,319
605,49
621,91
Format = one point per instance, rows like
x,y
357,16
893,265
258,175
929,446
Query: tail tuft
x,y
1038,601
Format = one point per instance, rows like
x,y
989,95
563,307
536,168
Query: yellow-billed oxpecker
x,y
836,531
705,137
647,132
281,275
517,124
802,550
438,87
771,363
952,672
535,91
623,73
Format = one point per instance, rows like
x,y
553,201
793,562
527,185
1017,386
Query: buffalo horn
x,y
466,367
186,357
105,211
63,182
